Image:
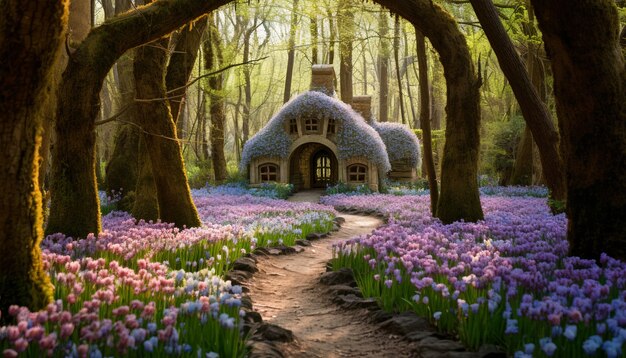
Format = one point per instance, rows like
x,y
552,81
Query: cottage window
x,y
268,172
357,173
311,125
293,126
331,126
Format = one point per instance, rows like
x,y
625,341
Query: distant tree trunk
x,y
396,56
523,166
459,197
429,163
74,206
180,67
365,68
535,112
122,168
291,51
247,70
332,34
31,36
213,52
383,65
159,136
314,39
582,42
345,13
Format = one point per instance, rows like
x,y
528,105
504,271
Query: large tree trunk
x,y
31,35
427,142
459,197
180,67
247,70
314,39
523,167
213,50
74,205
291,51
159,136
383,67
146,203
345,14
534,110
589,78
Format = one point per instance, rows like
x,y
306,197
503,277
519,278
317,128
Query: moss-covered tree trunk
x,y
427,142
523,167
383,67
74,204
159,135
180,67
590,91
459,197
145,201
213,50
31,35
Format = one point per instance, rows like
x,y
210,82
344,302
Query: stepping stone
x,y
352,301
490,351
345,290
405,323
339,220
303,242
237,277
272,332
379,316
245,264
440,345
315,236
258,349
344,276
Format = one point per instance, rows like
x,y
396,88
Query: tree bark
x,y
523,166
74,207
427,142
589,78
534,110
213,50
145,203
180,67
459,198
383,67
291,51
314,39
159,136
31,36
396,56
345,14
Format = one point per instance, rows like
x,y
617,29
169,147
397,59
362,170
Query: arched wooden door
x,y
323,169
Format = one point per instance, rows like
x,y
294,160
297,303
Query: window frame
x,y
267,171
355,173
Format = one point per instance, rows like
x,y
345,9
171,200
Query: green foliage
x,y
198,173
273,190
500,139
416,187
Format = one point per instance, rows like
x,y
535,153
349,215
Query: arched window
x,y
311,125
293,126
357,173
268,172
331,126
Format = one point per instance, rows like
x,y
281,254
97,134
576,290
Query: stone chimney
x,y
323,79
363,106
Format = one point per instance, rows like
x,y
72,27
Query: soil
x,y
286,291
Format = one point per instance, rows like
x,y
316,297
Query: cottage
x,y
316,140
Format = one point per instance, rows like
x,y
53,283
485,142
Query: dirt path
x,y
287,292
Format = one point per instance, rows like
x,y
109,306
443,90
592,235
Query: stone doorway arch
x,y
313,165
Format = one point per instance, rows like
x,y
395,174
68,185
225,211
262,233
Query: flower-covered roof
x,y
400,141
354,136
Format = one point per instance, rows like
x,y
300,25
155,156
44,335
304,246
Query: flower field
x,y
149,288
505,281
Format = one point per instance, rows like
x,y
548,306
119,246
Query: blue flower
x,y
591,345
511,326
529,348
570,332
437,315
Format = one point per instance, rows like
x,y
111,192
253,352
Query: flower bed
x,y
149,288
505,281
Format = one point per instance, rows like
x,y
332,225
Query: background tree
x,y
589,77
31,36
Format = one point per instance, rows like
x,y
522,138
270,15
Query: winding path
x,y
286,292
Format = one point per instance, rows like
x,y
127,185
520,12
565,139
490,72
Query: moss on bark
x,y
31,35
